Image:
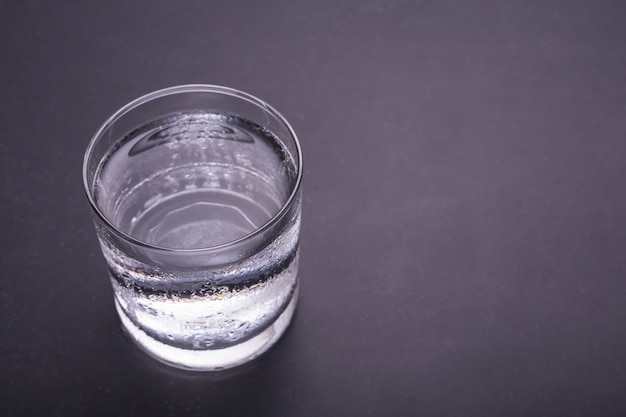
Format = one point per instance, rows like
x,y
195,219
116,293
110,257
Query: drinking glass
x,y
196,200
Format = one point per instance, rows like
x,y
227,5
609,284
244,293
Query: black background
x,y
464,235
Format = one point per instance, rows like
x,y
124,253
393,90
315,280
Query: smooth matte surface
x,y
464,229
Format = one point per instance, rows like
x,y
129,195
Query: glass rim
x,y
191,88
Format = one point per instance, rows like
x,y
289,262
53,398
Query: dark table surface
x,y
464,236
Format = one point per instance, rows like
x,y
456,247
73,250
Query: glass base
x,y
210,360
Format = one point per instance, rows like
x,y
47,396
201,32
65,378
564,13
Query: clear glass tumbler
x,y
195,192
